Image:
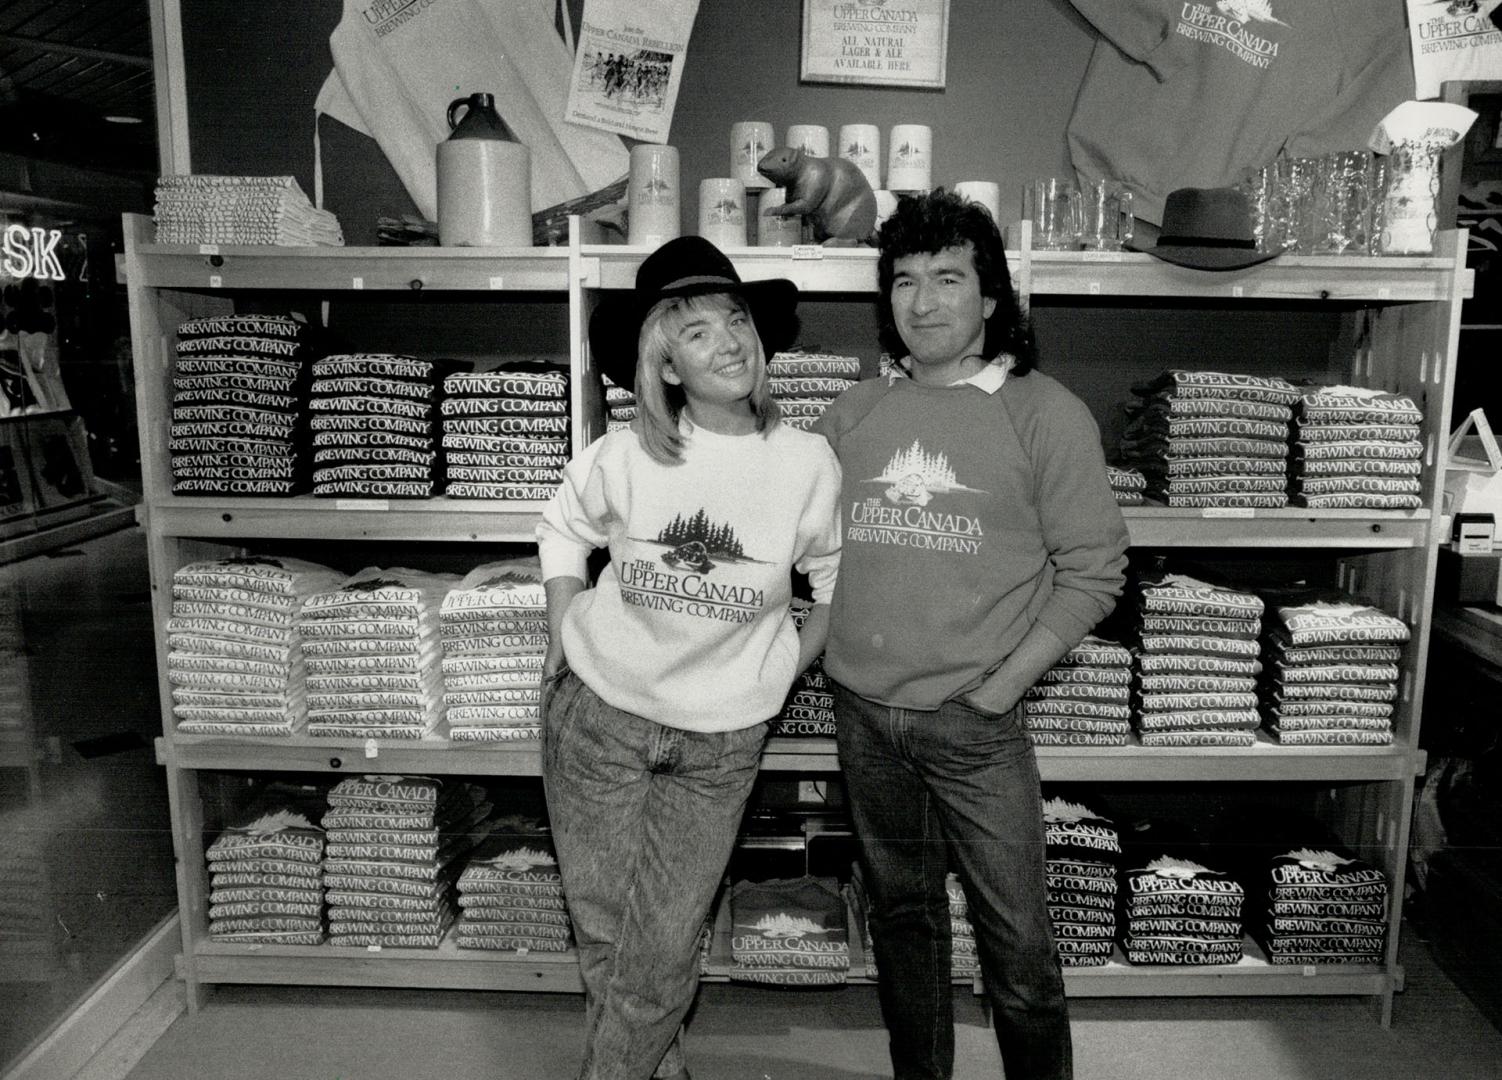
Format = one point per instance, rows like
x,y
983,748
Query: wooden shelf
x,y
436,755
1162,526
342,269
306,517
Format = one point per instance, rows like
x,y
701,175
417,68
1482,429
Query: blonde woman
x,y
660,679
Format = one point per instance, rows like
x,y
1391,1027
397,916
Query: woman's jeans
x,y
954,784
643,818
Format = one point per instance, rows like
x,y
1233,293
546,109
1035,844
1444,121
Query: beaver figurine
x,y
831,192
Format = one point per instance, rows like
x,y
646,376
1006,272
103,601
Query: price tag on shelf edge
x,y
1228,512
371,748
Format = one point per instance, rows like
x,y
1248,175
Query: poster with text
x,y
628,65
881,42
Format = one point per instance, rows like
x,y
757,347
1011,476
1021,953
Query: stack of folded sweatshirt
x,y
1084,699
505,433
789,932
1081,845
620,406
810,705
1211,439
1356,449
1179,911
233,653
804,384
1323,907
1332,673
511,895
266,881
373,643
1197,661
1127,484
238,382
964,960
393,848
857,903
372,422
493,627
201,209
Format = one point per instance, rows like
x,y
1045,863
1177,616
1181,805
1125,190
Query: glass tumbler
x,y
1053,206
1340,205
1105,215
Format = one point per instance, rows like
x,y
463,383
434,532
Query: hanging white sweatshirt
x,y
689,623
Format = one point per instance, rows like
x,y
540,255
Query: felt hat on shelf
x,y
1207,229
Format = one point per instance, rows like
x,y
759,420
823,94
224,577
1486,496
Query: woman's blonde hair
x,y
659,402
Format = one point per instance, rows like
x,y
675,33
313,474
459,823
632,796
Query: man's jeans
x,y
643,817
960,784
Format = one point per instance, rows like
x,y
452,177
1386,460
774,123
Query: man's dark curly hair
x,y
926,225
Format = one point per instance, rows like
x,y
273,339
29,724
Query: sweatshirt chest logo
x,y
1233,25
696,573
902,515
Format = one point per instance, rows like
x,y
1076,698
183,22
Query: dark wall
x,y
254,70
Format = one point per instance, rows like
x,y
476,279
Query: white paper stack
x,y
199,209
494,629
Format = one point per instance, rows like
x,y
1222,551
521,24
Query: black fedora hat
x,y
1207,229
686,266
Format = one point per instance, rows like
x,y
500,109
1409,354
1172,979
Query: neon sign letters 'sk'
x,y
31,252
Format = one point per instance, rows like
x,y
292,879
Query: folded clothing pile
x,y
505,433
964,960
1179,911
1355,448
1083,850
233,654
1127,484
238,382
493,627
620,406
511,895
1196,656
394,845
27,918
203,209
372,422
789,932
372,655
810,705
266,880
1084,699
1323,907
1332,673
1209,439
804,384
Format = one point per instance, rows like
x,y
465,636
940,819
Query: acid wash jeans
x,y
927,788
643,818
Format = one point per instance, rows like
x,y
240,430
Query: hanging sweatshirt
x,y
1187,93
689,624
970,512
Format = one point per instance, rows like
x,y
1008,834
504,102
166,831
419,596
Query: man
x,y
981,542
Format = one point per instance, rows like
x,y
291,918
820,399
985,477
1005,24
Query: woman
x,y
660,680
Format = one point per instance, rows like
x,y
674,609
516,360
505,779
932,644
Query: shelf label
x,y
1384,293
497,282
522,950
807,251
1310,971
371,749
208,249
1228,512
362,504
1101,256
215,281
372,948
1094,288
1238,290
357,283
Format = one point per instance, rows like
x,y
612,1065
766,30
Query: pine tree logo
x,y
914,476
506,582
1060,810
698,544
1326,861
276,822
783,925
1179,869
522,858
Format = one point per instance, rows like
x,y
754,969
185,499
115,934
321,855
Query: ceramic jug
x,y
484,179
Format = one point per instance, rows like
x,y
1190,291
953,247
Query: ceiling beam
x,y
20,41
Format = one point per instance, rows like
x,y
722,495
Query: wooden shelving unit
x,y
1399,320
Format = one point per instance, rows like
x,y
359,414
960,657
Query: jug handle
x,y
453,123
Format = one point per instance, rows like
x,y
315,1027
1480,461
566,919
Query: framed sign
x,y
876,42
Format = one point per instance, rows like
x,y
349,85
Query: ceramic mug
x,y
1105,215
985,192
910,158
772,231
750,140
722,211
861,143
812,139
652,195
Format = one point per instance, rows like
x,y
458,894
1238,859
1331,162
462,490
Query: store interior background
x,y
93,815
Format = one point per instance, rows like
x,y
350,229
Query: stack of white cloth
x,y
804,384
266,881
372,649
494,630
201,209
233,656
511,894
620,406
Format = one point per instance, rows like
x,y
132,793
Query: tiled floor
x,y
84,838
